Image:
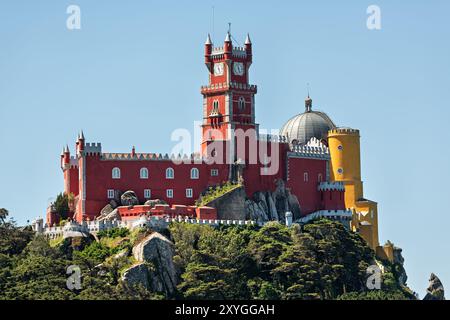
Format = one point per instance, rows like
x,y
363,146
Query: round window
x,y
340,147
340,171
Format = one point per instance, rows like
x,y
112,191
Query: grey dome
x,y
301,128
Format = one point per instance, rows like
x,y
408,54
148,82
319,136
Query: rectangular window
x,y
189,193
110,194
305,177
147,193
214,172
169,193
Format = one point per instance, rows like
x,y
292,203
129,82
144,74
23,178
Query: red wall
x,y
306,191
333,200
99,180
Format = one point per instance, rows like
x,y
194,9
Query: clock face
x,y
238,68
218,69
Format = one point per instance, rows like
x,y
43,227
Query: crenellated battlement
x,y
218,53
73,162
272,138
239,52
331,186
93,148
224,86
344,216
344,131
95,226
152,157
309,152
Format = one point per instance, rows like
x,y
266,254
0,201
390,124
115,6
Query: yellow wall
x,y
345,166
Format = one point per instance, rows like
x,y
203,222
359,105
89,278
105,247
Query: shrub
x,y
114,233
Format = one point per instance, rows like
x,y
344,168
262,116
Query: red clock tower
x,y
228,100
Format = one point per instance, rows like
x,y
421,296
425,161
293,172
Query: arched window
x,y
144,173
215,108
170,174
241,103
319,177
305,177
116,173
194,173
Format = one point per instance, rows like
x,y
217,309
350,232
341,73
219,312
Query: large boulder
x,y
435,290
272,208
158,251
114,203
106,210
255,211
153,202
129,198
294,205
113,215
137,275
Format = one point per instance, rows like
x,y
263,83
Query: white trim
x,y
169,193
195,173
170,173
115,173
189,193
143,173
110,194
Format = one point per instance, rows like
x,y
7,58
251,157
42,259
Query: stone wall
x,y
231,205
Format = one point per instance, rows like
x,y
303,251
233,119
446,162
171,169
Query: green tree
x,y
61,205
3,215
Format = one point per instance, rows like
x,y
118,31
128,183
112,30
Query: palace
x,y
311,169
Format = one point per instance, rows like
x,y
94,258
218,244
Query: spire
x,y
81,135
208,39
228,37
62,151
247,39
66,150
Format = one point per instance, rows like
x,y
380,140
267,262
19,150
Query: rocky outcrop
x,y
268,205
263,206
435,290
153,202
137,275
155,269
399,260
113,215
129,198
255,211
106,210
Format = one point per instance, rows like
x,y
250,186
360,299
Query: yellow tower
x,y
345,166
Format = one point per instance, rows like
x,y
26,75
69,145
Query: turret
x,y
208,51
248,47
62,157
228,46
80,142
66,155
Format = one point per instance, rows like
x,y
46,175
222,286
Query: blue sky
x,y
132,75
